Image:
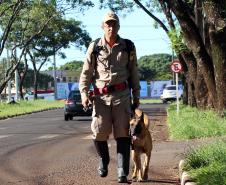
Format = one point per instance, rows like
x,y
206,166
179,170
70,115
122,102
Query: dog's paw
x,y
139,180
134,177
145,177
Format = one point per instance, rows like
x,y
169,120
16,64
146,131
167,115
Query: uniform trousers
x,y
106,118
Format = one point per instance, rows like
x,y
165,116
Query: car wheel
x,y
164,101
66,117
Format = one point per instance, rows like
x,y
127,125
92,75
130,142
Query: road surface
x,y
43,149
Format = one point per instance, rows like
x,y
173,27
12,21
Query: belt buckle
x,y
104,90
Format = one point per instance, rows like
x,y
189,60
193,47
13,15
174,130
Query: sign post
x,y
176,67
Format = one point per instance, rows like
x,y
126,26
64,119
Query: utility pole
x,y
16,79
9,82
54,63
173,72
54,74
16,84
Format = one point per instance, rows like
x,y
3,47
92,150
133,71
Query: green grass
x,y
192,123
23,107
207,164
8,110
150,100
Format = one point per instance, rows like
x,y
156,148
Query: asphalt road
x,y
43,149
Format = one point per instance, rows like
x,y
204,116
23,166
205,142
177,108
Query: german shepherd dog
x,y
141,144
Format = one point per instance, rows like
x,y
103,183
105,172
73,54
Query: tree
x,y
72,66
17,30
210,57
8,13
203,56
28,81
33,19
3,69
155,67
57,35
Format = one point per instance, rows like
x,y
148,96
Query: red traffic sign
x,y
176,66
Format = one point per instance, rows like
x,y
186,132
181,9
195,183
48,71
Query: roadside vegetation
x,y
207,163
150,100
192,123
24,107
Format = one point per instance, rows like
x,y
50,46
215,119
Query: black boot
x,y
102,151
123,154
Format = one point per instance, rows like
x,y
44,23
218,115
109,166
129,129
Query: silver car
x,y
169,93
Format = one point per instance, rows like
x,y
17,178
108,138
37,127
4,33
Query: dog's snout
x,y
135,130
138,129
132,130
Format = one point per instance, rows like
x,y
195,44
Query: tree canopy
x,y
197,30
36,30
155,67
72,66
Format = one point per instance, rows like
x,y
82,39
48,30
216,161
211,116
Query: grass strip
x,y
22,107
150,100
207,164
192,123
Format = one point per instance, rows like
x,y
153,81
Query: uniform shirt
x,y
112,66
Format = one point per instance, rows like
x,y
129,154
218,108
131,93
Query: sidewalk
x,y
166,154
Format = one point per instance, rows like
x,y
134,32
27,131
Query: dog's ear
x,y
146,121
142,116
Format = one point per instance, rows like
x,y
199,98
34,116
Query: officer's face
x,y
111,28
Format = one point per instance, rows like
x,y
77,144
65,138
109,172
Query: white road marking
x,y
91,137
2,128
88,137
4,136
48,136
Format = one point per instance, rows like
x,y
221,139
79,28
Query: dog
x,y
141,144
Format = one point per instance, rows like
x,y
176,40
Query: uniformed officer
x,y
112,70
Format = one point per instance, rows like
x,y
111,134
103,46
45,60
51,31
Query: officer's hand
x,y
85,102
136,102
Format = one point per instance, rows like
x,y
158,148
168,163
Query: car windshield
x,y
171,88
75,95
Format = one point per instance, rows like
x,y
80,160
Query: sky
x,y
137,26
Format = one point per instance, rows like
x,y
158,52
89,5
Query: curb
x,y
185,178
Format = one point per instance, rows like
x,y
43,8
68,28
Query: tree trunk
x,y
195,43
194,97
35,85
201,91
190,76
191,95
216,19
22,78
9,77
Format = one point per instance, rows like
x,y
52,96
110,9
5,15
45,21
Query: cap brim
x,y
111,20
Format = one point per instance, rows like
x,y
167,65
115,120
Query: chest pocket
x,y
103,60
122,59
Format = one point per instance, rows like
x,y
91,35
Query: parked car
x,y
41,94
169,93
73,106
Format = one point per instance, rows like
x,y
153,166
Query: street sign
x,y
176,66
